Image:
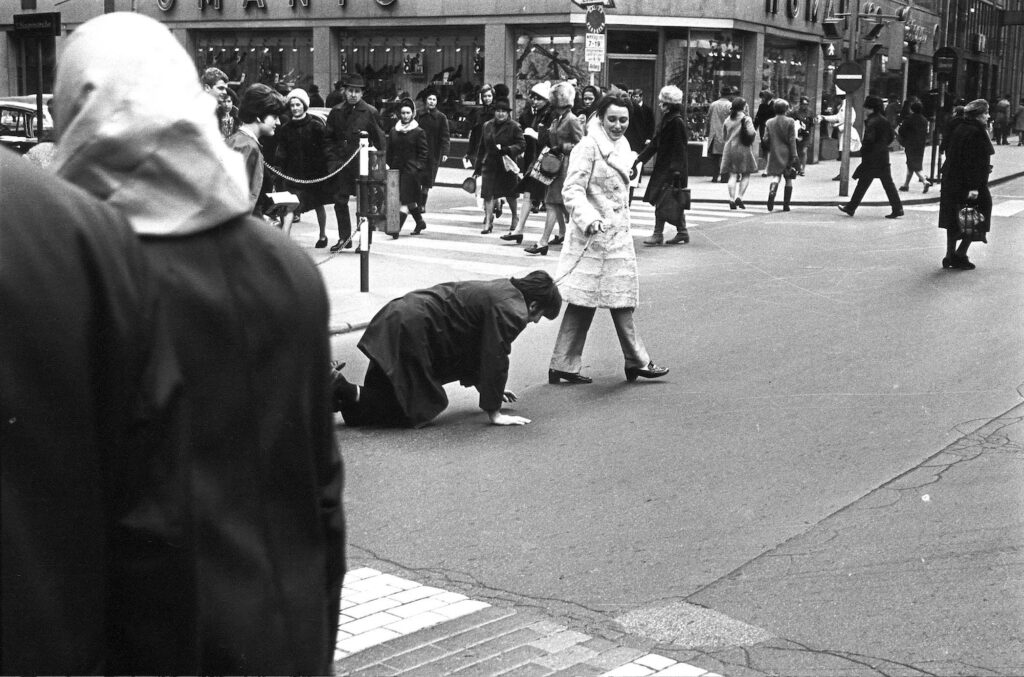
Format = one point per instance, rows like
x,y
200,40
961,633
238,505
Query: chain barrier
x,y
284,176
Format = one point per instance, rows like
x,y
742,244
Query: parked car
x,y
18,123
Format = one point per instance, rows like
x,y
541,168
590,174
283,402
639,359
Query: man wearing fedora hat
x,y
874,160
344,124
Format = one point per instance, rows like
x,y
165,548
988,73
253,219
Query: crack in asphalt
x,y
971,445
593,621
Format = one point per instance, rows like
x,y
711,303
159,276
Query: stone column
x,y
325,59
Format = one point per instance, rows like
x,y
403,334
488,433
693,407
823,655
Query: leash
x,y
586,246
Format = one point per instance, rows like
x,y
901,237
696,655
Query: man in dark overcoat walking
x,y
344,124
874,160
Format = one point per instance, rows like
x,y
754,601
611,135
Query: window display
x,y
271,57
400,65
551,57
784,71
700,65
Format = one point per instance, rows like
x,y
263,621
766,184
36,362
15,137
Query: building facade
x,y
402,46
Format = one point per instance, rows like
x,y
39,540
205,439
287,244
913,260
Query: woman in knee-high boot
x,y
780,131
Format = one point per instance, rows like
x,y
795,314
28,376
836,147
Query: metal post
x,y
844,166
39,90
362,221
936,132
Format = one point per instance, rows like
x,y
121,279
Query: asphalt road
x,y
827,483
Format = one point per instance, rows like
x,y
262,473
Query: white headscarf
x,y
135,128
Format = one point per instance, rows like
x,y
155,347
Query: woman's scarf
x,y
617,154
404,129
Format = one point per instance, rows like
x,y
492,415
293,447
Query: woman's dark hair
x,y
259,101
593,90
538,287
738,104
608,100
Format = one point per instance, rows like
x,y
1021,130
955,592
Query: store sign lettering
x,y
168,5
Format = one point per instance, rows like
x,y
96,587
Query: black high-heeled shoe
x,y
558,239
650,371
739,203
554,376
487,230
534,249
513,237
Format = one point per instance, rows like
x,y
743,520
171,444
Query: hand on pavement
x,y
509,396
507,419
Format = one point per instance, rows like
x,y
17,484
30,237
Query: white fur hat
x,y
542,89
299,94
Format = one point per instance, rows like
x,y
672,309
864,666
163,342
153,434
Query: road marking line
x,y
1008,208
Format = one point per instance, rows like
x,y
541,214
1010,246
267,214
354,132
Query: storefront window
x,y
701,64
551,57
400,65
272,57
784,72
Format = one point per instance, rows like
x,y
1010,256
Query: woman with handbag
x,y
409,153
738,159
560,138
597,268
501,138
669,144
783,158
965,179
913,136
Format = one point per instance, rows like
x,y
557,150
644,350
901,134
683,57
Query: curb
x,y
338,329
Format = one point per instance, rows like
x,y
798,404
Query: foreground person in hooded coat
x,y
228,557
456,331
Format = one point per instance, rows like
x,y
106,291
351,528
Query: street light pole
x,y
851,56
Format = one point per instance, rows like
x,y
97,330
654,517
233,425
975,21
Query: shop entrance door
x,y
631,71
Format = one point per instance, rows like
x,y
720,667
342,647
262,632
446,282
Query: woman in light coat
x,y
738,159
598,268
561,137
783,160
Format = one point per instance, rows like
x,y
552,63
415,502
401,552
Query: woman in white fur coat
x,y
597,268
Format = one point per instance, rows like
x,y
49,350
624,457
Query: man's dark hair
x,y
211,76
259,101
916,107
538,287
726,90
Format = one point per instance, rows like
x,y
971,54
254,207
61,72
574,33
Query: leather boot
x,y
420,224
772,190
657,237
787,193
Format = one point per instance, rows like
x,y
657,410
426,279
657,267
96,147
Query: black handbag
x,y
746,138
672,203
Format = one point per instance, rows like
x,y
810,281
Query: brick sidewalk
x,y
393,626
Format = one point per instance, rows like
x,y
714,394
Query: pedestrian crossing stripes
x,y
379,608
453,237
1000,209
